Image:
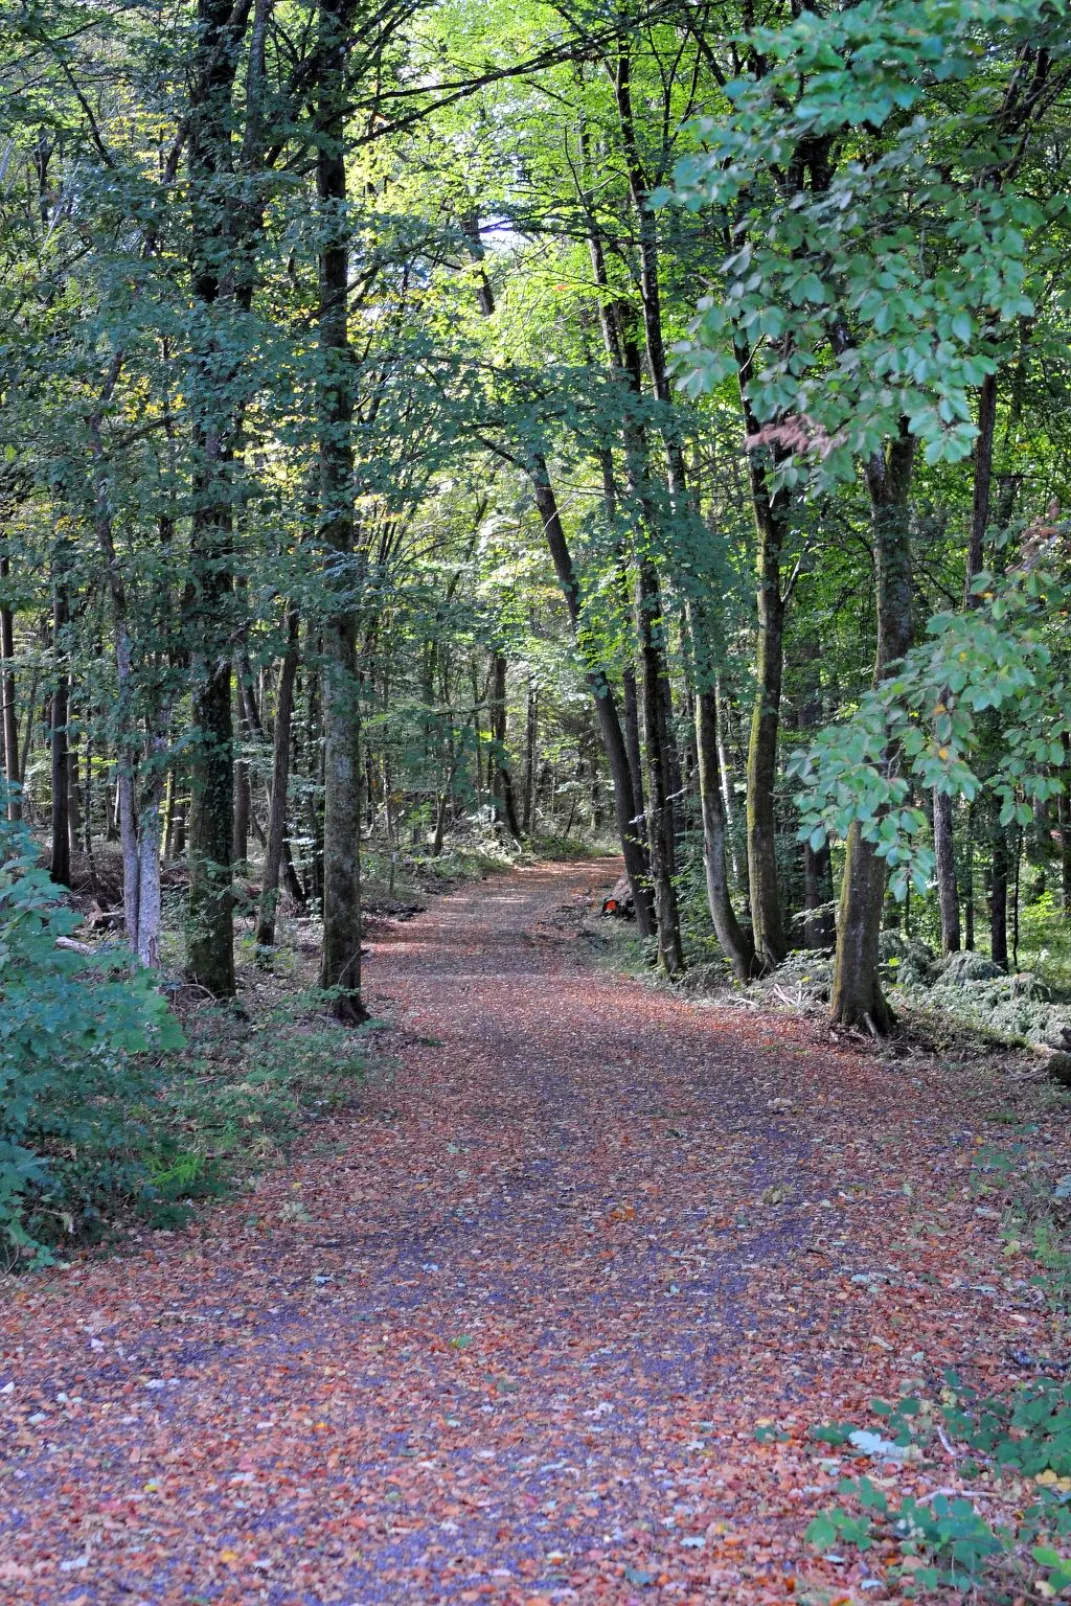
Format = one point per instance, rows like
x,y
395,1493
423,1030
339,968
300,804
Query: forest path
x,y
507,1331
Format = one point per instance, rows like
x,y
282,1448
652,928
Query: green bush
x,y
81,1040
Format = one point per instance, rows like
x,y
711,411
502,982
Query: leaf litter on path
x,y
548,1319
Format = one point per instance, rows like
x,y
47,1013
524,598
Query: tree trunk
x,y
60,738
214,248
735,943
502,779
947,890
1063,803
605,705
767,923
243,800
660,813
280,782
12,772
340,966
968,901
531,759
998,906
819,927
857,996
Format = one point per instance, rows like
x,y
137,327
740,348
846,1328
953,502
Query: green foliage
x,y
945,1541
81,1040
875,254
1008,653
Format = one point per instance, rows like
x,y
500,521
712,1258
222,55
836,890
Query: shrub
x,y
81,1037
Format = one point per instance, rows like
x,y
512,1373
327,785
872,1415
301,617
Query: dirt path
x,y
508,1332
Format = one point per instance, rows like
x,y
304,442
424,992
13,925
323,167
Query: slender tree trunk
x,y
983,480
605,704
739,867
998,905
280,781
243,800
767,923
340,967
60,735
943,837
1063,804
502,779
947,890
660,814
630,709
857,996
74,797
7,696
968,883
819,927
735,942
531,759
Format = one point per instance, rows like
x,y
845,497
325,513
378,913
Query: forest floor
x,y
546,1317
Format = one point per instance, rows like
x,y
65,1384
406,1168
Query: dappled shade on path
x,y
546,1317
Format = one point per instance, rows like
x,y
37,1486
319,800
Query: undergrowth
x,y
121,1101
1006,1528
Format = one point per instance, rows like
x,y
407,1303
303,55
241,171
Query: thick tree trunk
x,y
340,966
60,741
12,772
280,782
605,705
215,250
857,996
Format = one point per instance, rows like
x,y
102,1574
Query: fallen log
x,y
620,904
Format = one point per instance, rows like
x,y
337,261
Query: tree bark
x,y
767,923
660,813
531,759
947,890
60,864
215,250
998,904
502,778
340,966
857,998
12,772
605,705
735,942
243,800
280,782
